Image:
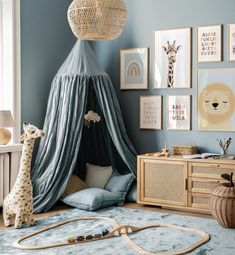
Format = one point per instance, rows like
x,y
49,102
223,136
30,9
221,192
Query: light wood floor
x,y
62,207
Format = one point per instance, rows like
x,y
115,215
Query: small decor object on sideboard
x,y
165,152
224,145
222,202
184,150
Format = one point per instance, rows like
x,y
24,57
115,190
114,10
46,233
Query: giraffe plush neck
x,y
171,51
18,205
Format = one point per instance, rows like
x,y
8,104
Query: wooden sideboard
x,y
177,183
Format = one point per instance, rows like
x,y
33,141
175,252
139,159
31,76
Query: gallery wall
x,y
143,18
46,40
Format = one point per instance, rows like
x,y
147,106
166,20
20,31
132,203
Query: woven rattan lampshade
x,y
97,19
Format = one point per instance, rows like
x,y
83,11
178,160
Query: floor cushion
x,y
119,184
75,184
92,199
97,176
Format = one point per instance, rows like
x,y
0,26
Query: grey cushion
x,y
92,199
119,184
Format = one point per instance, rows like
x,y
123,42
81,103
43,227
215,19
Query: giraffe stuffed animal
x,y
18,204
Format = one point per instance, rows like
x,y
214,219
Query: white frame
x,y
184,112
231,42
142,68
217,29
183,64
14,8
155,115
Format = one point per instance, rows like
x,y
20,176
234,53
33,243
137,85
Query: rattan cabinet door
x,y
162,182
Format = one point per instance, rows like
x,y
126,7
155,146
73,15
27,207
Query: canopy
x,y
80,85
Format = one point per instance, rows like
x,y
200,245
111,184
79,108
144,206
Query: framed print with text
x,y
134,68
216,99
172,58
231,42
178,112
209,43
150,112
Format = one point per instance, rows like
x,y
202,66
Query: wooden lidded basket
x,y
222,205
184,150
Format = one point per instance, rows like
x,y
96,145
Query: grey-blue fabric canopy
x,y
80,85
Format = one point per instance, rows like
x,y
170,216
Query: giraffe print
x,y
171,51
18,204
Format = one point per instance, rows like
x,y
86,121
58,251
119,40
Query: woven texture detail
x,y
222,205
184,150
97,19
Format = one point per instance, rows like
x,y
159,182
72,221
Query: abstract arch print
x,y
134,68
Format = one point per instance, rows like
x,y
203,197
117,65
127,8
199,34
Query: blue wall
x,y
144,17
46,40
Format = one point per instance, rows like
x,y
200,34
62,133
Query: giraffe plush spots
x,y
171,51
18,205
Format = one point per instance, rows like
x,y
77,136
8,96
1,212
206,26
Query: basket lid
x,y
223,191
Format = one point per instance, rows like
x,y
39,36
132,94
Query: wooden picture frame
x,y
209,43
134,68
216,99
172,58
151,112
178,112
231,42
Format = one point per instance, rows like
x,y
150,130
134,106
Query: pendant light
x,y
97,19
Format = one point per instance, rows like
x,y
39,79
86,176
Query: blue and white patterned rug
x,y
153,240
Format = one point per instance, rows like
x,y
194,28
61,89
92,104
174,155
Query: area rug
x,y
161,240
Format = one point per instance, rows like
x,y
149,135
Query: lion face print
x,y
216,103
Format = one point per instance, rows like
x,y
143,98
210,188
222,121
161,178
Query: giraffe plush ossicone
x,y
18,204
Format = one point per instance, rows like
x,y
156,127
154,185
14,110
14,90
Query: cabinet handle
x,y
186,184
210,165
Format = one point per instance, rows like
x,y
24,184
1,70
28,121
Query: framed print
x,y
172,58
209,43
134,68
231,42
216,99
178,112
150,112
